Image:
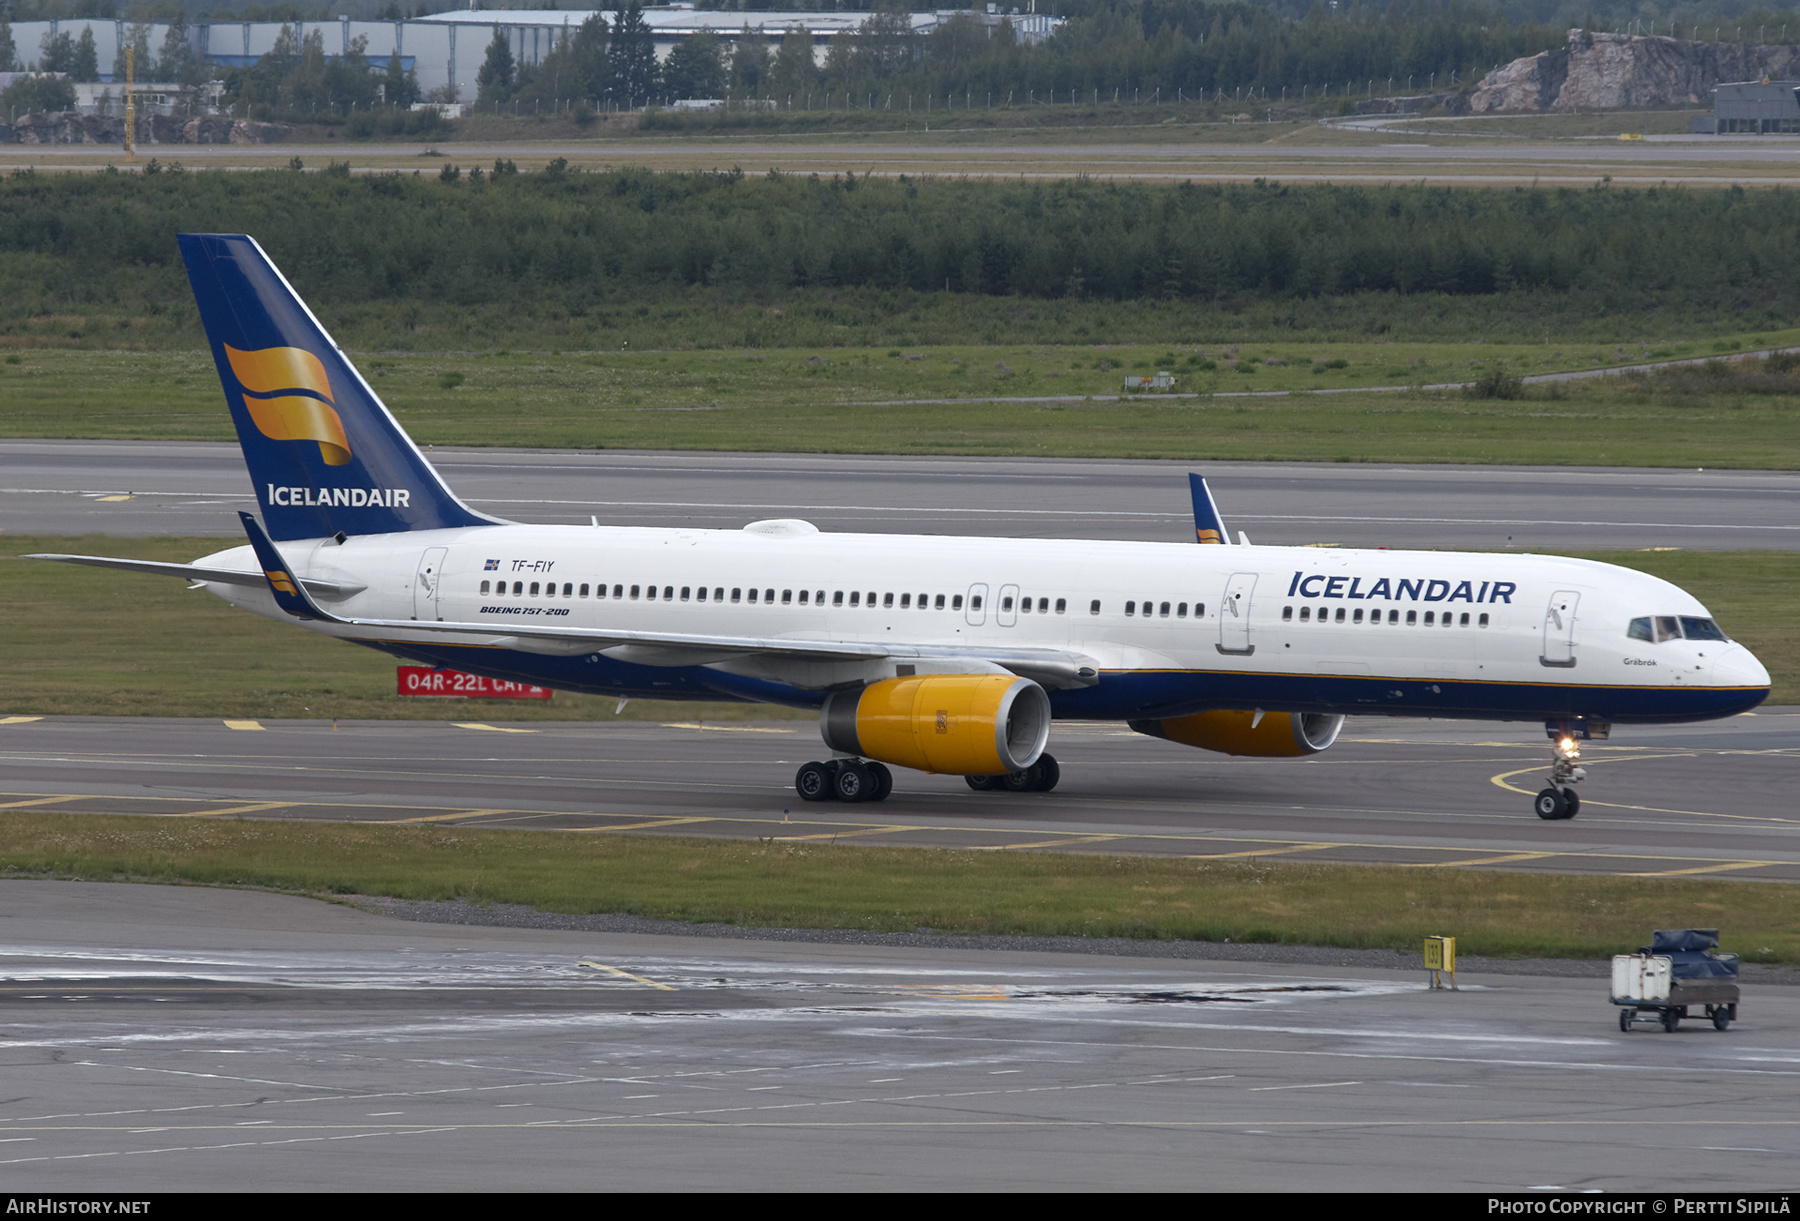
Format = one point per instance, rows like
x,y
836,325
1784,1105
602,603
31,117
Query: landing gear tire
x,y
1050,771
1552,804
853,783
981,784
883,778
813,782
1028,781
1574,800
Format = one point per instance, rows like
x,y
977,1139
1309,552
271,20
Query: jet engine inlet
x,y
966,724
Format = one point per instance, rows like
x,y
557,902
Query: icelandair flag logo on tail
x,y
325,455
270,380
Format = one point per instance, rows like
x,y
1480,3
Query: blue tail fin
x,y
324,453
1208,528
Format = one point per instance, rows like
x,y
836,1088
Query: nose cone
x,y
1738,667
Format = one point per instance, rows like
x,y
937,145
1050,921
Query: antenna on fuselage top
x,y
1209,527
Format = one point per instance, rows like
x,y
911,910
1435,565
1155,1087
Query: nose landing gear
x,y
1560,800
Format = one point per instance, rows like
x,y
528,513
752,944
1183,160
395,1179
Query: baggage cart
x,y
1677,973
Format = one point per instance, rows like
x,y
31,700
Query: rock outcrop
x,y
74,127
1621,71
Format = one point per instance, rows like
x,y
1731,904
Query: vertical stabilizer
x,y
1208,527
324,453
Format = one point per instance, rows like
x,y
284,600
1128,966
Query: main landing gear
x,y
1040,777
844,780
1560,800
866,780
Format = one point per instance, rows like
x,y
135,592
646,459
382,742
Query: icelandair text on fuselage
x,y
1676,1205
1318,585
352,498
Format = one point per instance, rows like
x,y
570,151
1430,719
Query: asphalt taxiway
x,y
1708,800
167,1039
192,488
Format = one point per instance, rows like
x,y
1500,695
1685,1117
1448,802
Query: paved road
x,y
178,1039
75,487
1701,800
1385,158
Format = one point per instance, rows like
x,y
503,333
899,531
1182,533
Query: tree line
x,y
568,240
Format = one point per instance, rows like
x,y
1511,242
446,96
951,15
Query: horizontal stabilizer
x,y
329,590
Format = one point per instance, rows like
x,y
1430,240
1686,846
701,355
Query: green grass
x,y
763,884
88,642
874,400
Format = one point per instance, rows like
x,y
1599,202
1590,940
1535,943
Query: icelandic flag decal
x,y
492,566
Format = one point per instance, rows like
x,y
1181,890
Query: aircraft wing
x,y
1054,667
193,572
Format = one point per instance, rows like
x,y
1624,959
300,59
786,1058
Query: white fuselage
x,y
1166,626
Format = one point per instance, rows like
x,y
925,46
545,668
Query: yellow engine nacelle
x,y
964,724
1263,735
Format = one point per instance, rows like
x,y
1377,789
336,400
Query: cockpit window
x,y
1700,629
1659,628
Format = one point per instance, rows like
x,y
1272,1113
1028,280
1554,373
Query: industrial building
x,y
448,47
1762,107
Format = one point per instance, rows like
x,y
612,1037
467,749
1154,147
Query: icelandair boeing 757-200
x,y
948,655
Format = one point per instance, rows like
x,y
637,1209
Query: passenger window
x,y
818,598
787,597
484,586
871,601
1465,619
619,591
1062,605
685,591
1199,610
649,593
1482,622
1287,614
1131,608
768,595
1006,603
1181,610
1412,617
1340,614
584,590
803,595
753,597
975,602
956,602
1164,610
1394,616
1024,606
1430,618
1357,617
518,589
719,593
905,601
855,598
1306,614
1094,607
837,599
568,589
534,589
887,600
737,594
700,594
939,605
668,593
